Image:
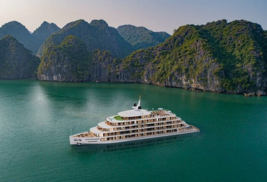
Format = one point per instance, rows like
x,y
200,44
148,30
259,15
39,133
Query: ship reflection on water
x,y
164,141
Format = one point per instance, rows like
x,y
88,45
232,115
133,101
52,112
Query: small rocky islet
x,y
221,56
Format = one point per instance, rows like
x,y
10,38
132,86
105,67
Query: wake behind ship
x,y
135,124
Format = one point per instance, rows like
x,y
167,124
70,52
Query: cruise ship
x,y
132,125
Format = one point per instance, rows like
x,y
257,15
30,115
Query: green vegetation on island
x,y
218,56
68,61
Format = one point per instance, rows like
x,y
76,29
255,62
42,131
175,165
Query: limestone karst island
x,y
220,56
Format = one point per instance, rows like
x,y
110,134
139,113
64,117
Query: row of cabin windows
x,y
120,124
138,135
139,126
147,121
143,130
129,118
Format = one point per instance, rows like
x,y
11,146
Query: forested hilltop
x,y
95,35
141,37
219,56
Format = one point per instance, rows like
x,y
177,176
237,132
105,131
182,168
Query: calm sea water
x,y
36,119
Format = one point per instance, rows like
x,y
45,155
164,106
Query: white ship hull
x,y
96,140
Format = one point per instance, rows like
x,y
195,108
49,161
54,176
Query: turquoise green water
x,y
36,119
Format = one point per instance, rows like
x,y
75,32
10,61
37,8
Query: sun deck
x,y
133,113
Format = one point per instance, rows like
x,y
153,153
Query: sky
x,y
156,15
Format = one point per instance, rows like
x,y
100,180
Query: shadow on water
x,y
147,143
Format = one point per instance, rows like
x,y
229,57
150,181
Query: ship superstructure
x,y
134,124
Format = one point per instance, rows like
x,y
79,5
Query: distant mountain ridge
x,y
30,41
42,33
141,37
18,31
133,38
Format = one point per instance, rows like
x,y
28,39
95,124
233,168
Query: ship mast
x,y
139,102
137,106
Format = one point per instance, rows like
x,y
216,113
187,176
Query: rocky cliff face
x,y
219,57
72,62
96,35
103,66
16,62
141,37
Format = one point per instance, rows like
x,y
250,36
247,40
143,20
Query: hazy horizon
x,y
158,15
